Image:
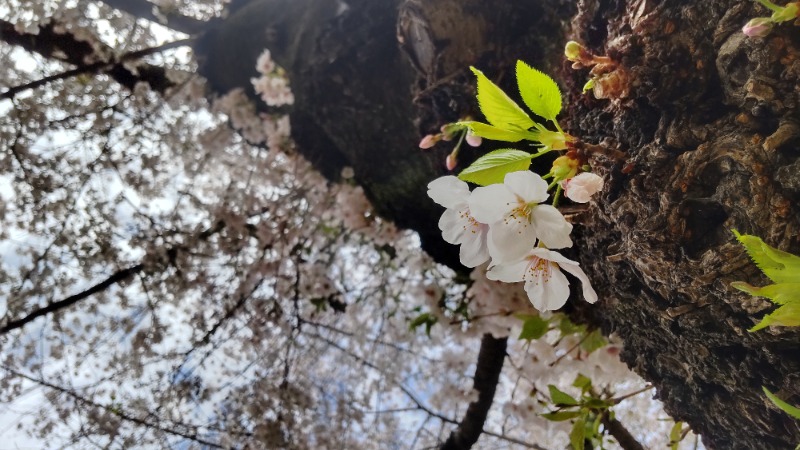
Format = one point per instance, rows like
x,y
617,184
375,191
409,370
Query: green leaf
x,y
423,319
539,92
779,293
582,382
578,434
492,167
787,315
533,327
675,435
561,398
498,107
785,407
561,416
779,266
496,134
566,327
594,341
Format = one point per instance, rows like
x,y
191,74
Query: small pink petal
x,y
428,141
450,162
473,141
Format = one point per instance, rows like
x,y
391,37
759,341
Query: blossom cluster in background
x,y
273,84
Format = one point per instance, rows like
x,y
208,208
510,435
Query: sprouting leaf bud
x,y
573,50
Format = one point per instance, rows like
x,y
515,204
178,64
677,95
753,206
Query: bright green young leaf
x,y
561,416
593,341
578,434
780,293
779,266
539,92
498,107
492,167
582,382
675,435
787,315
496,134
423,319
785,407
566,327
560,398
533,327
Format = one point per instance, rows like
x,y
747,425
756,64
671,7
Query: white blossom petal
x,y
510,272
551,227
547,288
452,226
511,239
527,185
570,266
491,203
474,251
588,291
448,191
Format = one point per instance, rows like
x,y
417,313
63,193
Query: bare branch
x,y
65,47
142,9
624,438
97,67
190,433
71,300
487,374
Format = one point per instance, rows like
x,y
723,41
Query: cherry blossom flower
x,y
546,285
579,189
457,223
515,217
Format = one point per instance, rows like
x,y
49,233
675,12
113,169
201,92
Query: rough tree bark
x,y
706,120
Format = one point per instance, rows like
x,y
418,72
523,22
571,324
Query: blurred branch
x,y
69,301
98,67
484,365
61,45
189,433
142,9
624,438
487,374
117,277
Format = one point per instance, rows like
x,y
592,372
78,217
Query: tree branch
x,y
487,374
52,43
142,9
69,301
93,68
191,433
624,438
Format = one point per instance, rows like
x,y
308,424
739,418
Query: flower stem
x,y
557,195
770,5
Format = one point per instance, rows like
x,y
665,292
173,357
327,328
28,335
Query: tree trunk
x,y
706,119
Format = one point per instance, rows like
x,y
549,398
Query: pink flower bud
x,y
580,188
473,140
451,161
758,27
428,141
